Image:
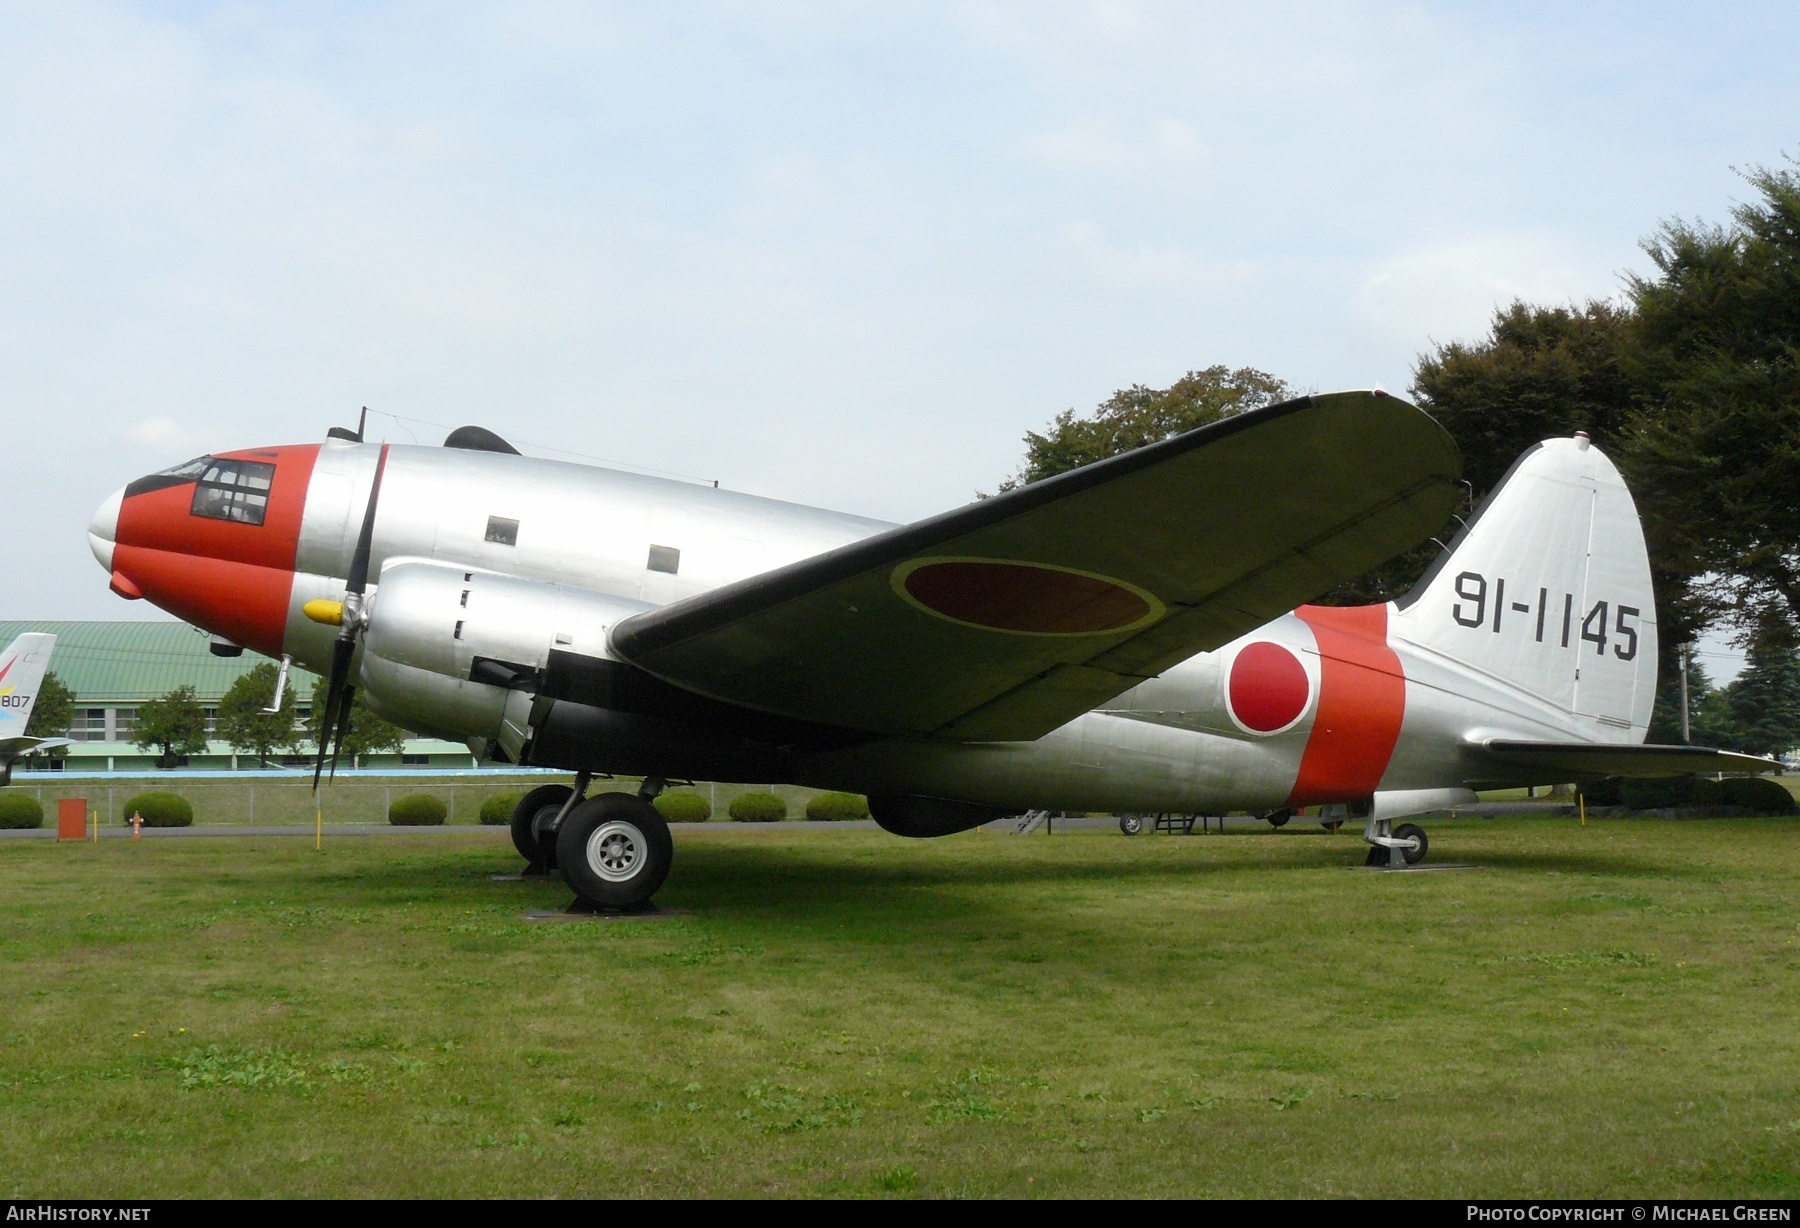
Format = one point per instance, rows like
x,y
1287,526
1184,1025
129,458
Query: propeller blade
x,y
341,653
334,722
343,727
359,562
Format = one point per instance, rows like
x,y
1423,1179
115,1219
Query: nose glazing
x,y
103,529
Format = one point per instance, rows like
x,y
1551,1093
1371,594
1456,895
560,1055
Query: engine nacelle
x,y
923,817
460,653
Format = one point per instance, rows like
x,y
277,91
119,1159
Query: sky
x,y
835,253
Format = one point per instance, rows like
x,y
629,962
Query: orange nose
x,y
213,542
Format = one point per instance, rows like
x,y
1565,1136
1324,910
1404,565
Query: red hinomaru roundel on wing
x,y
1268,689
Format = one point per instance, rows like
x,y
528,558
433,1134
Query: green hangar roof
x,y
132,662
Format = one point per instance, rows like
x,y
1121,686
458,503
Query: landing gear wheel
x,y
1412,831
614,851
1131,824
1332,827
1278,818
531,820
1378,856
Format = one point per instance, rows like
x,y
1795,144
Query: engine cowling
x,y
461,653
523,667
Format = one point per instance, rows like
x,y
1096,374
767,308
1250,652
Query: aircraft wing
x,y
1004,619
1594,759
13,747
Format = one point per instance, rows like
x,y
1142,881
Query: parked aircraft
x,y
22,668
1130,636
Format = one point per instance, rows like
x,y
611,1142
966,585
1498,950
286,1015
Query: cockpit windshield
x,y
229,489
191,469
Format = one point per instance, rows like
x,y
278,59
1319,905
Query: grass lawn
x,y
1601,1011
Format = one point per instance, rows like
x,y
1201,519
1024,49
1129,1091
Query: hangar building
x,y
112,667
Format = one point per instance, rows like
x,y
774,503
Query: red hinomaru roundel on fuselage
x,y
215,544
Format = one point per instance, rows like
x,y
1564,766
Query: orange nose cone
x,y
214,543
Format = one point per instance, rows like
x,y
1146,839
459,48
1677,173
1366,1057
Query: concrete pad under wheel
x,y
576,912
1418,869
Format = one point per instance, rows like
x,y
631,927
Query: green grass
x,y
1603,1011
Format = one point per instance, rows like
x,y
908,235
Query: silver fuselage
x,y
1171,744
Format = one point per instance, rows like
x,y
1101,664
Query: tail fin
x,y
1547,590
22,668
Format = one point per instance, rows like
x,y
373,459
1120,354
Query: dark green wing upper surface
x,y
1004,619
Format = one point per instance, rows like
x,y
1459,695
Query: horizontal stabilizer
x,y
11,748
1598,759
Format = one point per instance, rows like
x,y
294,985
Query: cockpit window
x,y
191,469
230,489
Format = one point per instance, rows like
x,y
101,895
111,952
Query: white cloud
x,y
1151,265
1448,290
157,432
1096,145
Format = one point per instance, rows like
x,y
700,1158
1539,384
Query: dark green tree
x,y
1764,701
1135,416
244,723
369,734
51,715
1716,444
174,725
1710,718
1543,372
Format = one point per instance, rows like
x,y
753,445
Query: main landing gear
x,y
1404,845
613,849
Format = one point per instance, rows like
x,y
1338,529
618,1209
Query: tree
x,y
173,724
1543,372
1136,416
1540,372
1716,446
369,734
52,715
244,723
1765,701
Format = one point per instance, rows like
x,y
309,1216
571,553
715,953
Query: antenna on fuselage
x,y
345,433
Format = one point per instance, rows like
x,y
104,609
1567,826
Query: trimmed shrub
x,y
159,810
758,808
1602,792
497,811
19,810
683,807
417,810
838,808
1656,792
1757,793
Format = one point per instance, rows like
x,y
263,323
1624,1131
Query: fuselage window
x,y
233,490
502,532
665,559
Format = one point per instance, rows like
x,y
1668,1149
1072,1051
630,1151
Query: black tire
x,y
532,817
1332,827
1131,824
1278,818
1378,856
1412,831
614,851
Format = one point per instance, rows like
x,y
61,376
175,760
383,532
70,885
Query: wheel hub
x,y
616,850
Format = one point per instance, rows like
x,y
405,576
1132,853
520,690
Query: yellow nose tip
x,y
331,613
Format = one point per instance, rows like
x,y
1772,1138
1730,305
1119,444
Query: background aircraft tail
x,y
1547,590
22,668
